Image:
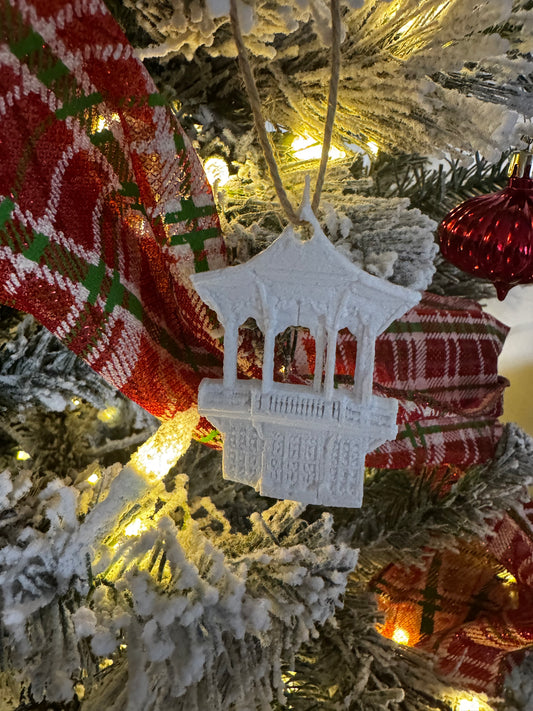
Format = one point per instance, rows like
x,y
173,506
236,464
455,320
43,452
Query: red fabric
x,y
473,653
462,607
104,206
440,361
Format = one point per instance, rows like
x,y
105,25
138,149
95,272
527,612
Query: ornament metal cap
x,y
521,162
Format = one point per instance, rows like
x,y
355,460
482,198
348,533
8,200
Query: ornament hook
x,y
520,164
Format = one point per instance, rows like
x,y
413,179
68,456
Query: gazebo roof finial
x,y
305,212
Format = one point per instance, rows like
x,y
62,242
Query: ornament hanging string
x,y
259,121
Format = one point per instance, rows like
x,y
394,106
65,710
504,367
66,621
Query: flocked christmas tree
x,y
133,576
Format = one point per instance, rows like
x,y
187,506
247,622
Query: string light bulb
x,y
163,449
93,478
102,123
105,663
22,456
109,415
400,636
216,170
307,148
134,528
507,578
465,704
372,147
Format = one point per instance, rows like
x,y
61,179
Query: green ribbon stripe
x,y
38,248
459,328
419,431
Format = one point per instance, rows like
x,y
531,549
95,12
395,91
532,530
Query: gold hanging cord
x,y
259,121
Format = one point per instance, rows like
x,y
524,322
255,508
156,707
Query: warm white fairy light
x,y
400,636
109,415
372,147
471,704
22,456
93,478
464,701
307,148
105,663
151,462
76,401
135,527
102,123
163,449
158,455
507,578
216,170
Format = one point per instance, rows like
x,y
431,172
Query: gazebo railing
x,y
300,403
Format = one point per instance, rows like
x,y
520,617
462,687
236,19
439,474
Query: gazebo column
x,y
320,344
330,362
231,340
268,358
364,365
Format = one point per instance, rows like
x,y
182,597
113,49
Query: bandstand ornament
x,y
301,442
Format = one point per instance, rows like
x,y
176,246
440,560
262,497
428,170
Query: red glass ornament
x,y
491,236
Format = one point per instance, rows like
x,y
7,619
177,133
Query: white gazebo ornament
x,y
306,443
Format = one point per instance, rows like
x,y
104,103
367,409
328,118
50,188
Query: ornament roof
x,y
298,282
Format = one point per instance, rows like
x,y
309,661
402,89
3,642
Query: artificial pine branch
x,y
351,666
386,57
37,369
287,565
402,513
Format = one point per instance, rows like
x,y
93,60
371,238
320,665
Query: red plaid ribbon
x,y
105,212
463,607
104,207
474,652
